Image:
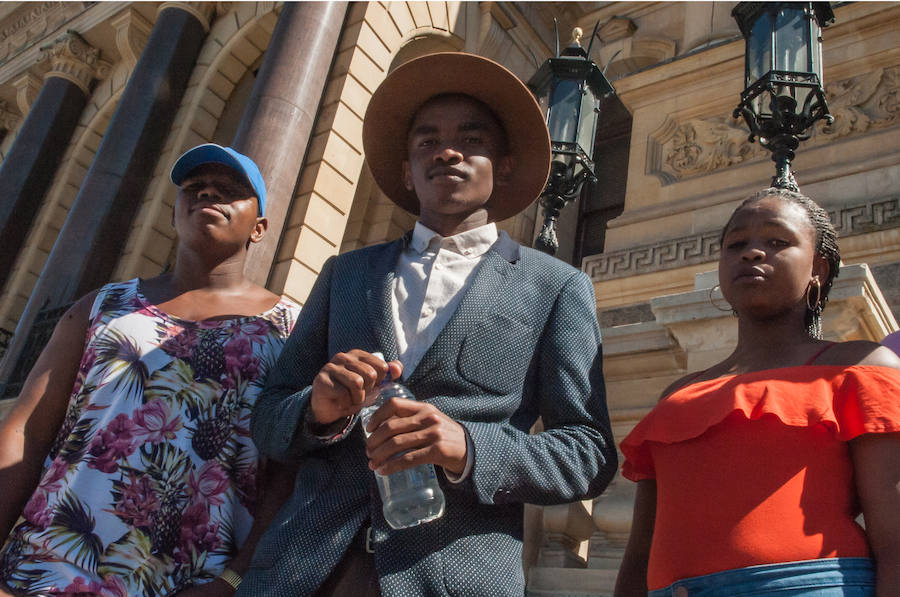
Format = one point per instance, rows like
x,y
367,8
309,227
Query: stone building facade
x,y
97,99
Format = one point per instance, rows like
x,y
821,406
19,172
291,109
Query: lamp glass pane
x,y
791,39
759,48
587,124
816,53
565,107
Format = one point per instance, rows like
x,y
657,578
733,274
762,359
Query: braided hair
x,y
826,245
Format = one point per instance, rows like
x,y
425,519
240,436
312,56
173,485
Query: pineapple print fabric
x,y
151,482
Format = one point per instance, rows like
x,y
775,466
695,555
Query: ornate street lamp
x,y
569,89
783,64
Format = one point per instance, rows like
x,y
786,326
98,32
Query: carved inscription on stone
x,y
680,150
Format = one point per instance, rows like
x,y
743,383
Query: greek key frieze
x,y
868,217
669,254
849,220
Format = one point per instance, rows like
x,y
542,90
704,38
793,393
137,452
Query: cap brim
x,y
395,102
204,154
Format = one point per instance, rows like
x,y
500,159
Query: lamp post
x,y
783,69
568,88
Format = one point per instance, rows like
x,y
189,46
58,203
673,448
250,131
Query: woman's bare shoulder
x,y
859,352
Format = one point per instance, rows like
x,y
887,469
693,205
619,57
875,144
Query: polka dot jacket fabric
x,y
524,343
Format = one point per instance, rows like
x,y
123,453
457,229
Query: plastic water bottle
x,y
412,496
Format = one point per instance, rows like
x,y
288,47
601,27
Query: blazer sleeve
x,y
574,457
278,424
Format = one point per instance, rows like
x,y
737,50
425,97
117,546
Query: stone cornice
x,y
849,220
75,60
27,24
78,18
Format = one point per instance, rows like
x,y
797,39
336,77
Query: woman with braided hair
x,y
751,473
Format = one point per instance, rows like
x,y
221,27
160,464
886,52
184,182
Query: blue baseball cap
x,y
210,153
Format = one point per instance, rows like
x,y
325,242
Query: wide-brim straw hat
x,y
396,101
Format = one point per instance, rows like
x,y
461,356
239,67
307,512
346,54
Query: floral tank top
x,y
150,484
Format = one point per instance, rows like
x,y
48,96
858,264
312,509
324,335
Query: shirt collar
x,y
471,243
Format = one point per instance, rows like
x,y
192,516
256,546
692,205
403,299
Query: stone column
x,y
279,117
96,228
29,167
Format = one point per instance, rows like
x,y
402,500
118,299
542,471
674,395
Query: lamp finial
x,y
577,34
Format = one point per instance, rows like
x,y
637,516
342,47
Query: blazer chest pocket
x,y
496,355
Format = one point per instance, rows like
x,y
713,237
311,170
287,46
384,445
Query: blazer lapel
x,y
379,286
485,289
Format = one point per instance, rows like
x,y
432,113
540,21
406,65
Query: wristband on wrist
x,y
231,577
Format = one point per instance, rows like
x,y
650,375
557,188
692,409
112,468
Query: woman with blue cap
x,y
126,461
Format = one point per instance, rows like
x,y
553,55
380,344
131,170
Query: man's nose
x,y
448,155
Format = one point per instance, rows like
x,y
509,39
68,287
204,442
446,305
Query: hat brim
x,y
396,101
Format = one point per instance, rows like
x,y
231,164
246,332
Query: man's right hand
x,y
340,387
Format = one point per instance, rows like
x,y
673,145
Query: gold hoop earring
x,y
814,306
712,301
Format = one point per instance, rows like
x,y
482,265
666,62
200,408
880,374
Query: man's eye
x,y
473,140
735,244
777,242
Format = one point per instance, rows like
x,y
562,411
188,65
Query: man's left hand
x,y
419,433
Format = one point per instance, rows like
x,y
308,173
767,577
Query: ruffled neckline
x,y
849,400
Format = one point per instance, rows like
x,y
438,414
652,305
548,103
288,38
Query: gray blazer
x,y
524,343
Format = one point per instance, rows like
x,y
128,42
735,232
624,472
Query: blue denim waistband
x,y
830,577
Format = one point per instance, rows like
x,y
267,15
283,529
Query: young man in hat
x,y
489,336
126,464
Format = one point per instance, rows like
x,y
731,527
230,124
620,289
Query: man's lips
x,y
450,173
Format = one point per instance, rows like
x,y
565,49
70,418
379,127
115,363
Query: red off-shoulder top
x,y
755,468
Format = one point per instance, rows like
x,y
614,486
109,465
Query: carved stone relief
x,y
74,59
683,150
866,102
680,150
32,22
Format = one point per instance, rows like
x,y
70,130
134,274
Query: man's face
x,y
456,155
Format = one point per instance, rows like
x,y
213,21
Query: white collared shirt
x,y
433,273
